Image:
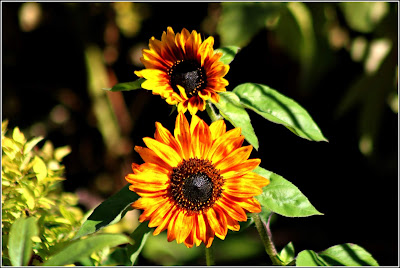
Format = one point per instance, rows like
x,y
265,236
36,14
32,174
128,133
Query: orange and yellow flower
x,y
197,183
183,70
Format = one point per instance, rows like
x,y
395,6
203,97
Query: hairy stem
x,y
266,237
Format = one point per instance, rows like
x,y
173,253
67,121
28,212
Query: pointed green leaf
x,y
230,108
228,53
127,86
282,197
309,258
109,212
279,109
83,248
20,240
348,255
139,237
287,253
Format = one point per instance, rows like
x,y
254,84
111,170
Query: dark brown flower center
x,y
195,185
188,74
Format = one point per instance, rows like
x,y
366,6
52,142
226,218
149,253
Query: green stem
x,y
266,237
209,257
211,112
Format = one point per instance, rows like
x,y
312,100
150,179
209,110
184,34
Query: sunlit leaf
x,y
39,167
228,53
18,136
279,109
309,258
287,253
127,86
282,197
84,248
32,143
348,255
20,240
139,237
109,212
61,152
230,108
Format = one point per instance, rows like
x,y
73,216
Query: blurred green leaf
x,y
287,253
228,53
282,197
230,108
127,86
83,248
279,109
20,240
241,21
109,212
309,258
139,237
161,252
348,255
364,16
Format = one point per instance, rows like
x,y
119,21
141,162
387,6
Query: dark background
x,y
45,92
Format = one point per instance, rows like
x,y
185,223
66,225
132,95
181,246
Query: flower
x,y
197,183
183,70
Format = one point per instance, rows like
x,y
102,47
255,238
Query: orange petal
x,y
165,152
234,177
233,209
217,222
223,147
149,156
183,227
201,139
217,128
249,204
182,134
234,158
164,224
164,135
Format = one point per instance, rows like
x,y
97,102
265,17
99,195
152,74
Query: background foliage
x,y
341,67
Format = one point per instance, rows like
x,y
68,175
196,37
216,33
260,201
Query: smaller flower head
x,y
183,70
197,183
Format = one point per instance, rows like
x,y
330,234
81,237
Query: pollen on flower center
x,y
195,185
188,74
197,188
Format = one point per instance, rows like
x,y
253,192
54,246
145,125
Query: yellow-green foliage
x,y
31,187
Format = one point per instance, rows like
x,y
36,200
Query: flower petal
x,y
166,153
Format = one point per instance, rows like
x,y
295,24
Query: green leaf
x,y
139,237
309,258
287,253
83,248
30,144
279,109
127,86
348,255
282,197
230,108
109,212
228,53
20,240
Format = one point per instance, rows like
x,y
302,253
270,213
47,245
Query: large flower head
x,y
183,70
197,183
